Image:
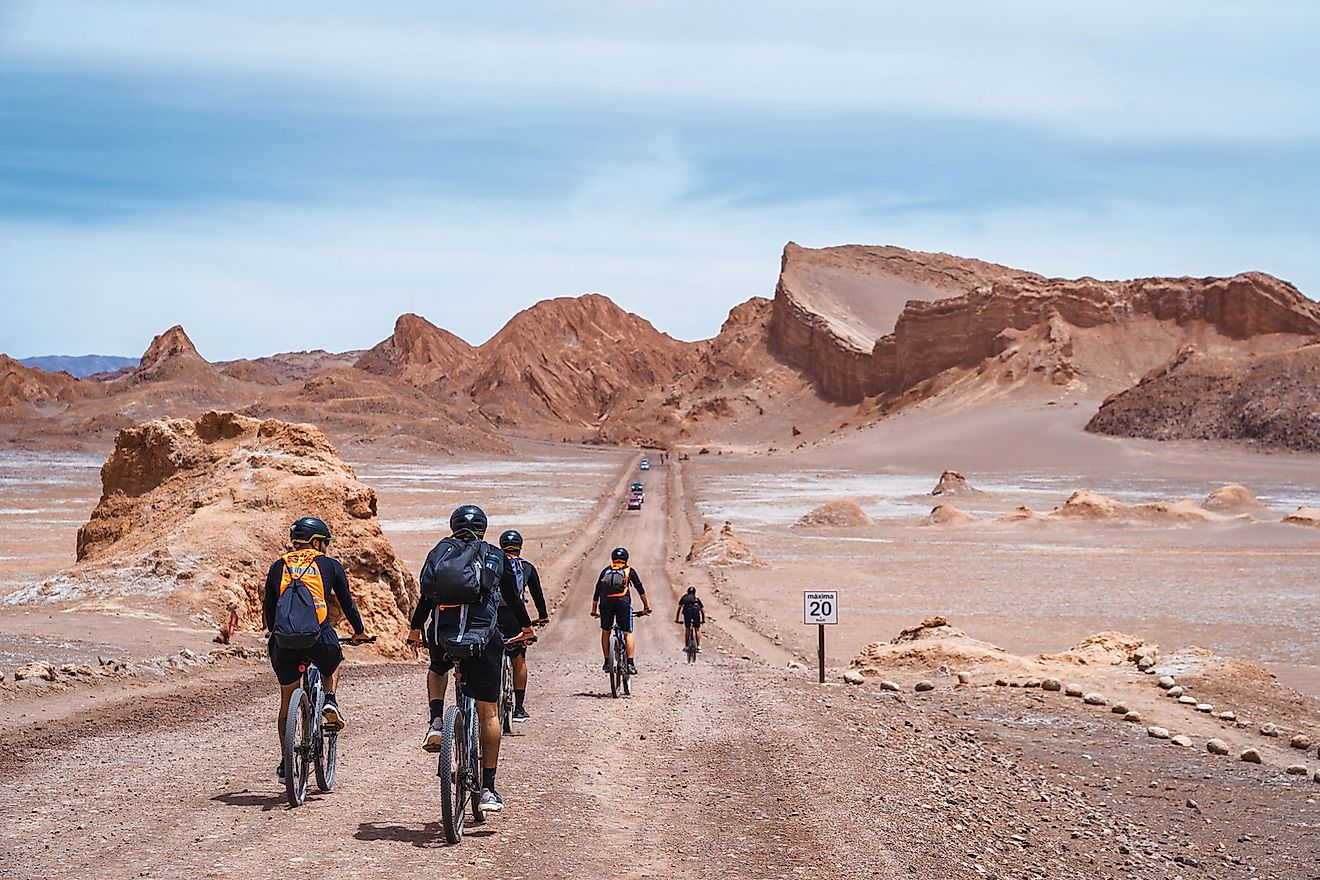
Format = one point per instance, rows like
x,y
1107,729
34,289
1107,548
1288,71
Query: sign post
x,y
820,607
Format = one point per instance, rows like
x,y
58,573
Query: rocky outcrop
x,y
838,317
24,385
722,548
421,354
842,512
193,513
1272,400
172,355
953,483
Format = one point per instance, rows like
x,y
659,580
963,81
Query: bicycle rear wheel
x,y
475,766
616,670
297,747
621,663
325,761
453,776
691,646
506,694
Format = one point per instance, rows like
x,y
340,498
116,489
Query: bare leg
x,y
519,673
333,684
628,638
605,643
490,734
435,685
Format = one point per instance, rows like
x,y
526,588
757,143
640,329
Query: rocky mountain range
x,y
852,333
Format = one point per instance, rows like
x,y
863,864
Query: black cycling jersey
x,y
691,605
531,581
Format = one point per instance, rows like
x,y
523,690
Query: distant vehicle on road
x,y
635,487
646,464
634,502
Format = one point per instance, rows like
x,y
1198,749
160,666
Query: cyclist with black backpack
x,y
529,581
460,582
296,612
613,602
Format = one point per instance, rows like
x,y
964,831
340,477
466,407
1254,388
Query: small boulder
x,y
852,676
1174,692
1205,707
924,686
1300,741
36,670
887,685
1120,709
1183,740
1072,690
1096,699
1134,717
1228,716
1251,756
1157,732
1051,684
1269,728
1217,747
1297,770
964,678
1187,700
1166,682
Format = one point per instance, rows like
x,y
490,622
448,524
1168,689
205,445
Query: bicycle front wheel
x,y
297,747
506,695
325,761
453,776
475,767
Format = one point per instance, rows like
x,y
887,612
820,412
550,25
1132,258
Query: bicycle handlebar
x,y
352,644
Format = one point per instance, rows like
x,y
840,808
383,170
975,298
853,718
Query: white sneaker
x,y
490,802
434,733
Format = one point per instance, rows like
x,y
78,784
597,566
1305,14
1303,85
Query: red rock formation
x,y
1272,400
21,384
831,305
172,355
421,354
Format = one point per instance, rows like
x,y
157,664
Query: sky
x,y
295,175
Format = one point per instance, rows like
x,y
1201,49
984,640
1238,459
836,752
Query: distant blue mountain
x,y
79,365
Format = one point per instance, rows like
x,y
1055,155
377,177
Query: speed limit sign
x,y
820,606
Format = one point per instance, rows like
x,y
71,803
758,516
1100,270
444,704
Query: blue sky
x,y
295,175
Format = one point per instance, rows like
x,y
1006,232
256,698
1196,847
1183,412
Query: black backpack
x,y
615,580
455,572
297,625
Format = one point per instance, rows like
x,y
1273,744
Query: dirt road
x,y
730,767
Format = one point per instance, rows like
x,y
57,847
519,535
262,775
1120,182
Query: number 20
x,y
821,608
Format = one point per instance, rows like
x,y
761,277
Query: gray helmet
x,y
309,528
468,518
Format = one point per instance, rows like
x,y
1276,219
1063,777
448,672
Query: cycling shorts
x,y
692,618
509,627
612,610
481,674
325,655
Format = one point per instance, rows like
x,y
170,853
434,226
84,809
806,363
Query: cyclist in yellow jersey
x,y
307,563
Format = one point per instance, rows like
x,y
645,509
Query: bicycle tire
x,y
453,779
615,669
297,728
506,695
475,765
621,661
691,646
325,761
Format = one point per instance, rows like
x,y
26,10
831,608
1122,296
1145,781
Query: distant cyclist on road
x,y
529,581
312,576
613,602
692,612
481,673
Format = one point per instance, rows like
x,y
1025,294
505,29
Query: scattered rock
x,y
889,686
1072,690
1297,770
1251,756
852,676
794,664
1187,700
1269,728
1051,684
1166,682
924,686
1300,741
1183,740
1134,717
1157,732
964,678
1228,716
36,670
1217,747
1174,691
1305,516
1205,707
1096,699
1120,709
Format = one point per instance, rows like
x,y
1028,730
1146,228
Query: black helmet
x,y
468,518
692,591
309,528
620,554
511,540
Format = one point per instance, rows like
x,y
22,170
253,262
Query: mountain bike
x,y
507,698
619,674
690,641
308,743
459,768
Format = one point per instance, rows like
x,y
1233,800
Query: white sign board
x,y
820,606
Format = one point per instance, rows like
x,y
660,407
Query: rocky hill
x,y
422,355
28,387
838,317
1272,400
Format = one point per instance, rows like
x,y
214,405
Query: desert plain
x,y
989,634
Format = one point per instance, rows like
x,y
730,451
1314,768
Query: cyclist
x,y
307,562
481,674
693,613
613,601
529,581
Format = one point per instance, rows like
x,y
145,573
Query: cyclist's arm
x,y
534,587
514,602
272,593
423,610
337,580
641,591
